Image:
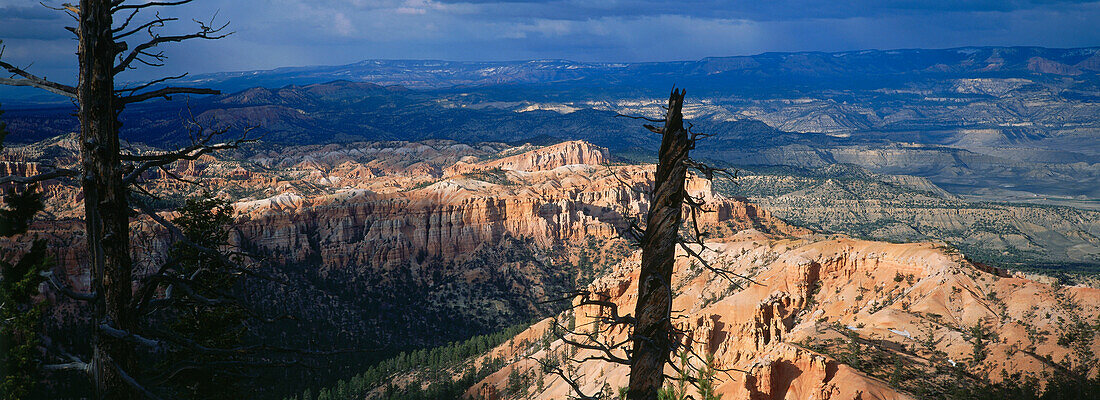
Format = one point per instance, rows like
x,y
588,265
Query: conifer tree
x,y
20,314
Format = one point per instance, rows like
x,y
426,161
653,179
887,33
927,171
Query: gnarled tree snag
x,y
106,176
106,212
653,331
653,340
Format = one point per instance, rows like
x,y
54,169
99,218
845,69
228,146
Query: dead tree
x,y
653,330
653,341
103,53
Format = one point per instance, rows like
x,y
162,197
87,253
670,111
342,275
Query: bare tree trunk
x,y
652,333
107,214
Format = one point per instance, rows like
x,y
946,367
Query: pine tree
x,y
206,221
704,381
20,315
20,324
678,390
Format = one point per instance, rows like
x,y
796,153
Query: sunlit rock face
x,y
359,211
790,334
370,209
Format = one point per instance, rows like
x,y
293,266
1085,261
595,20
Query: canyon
x,y
415,244
388,245
834,318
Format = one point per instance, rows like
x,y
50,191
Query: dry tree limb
x,y
572,382
28,79
158,21
640,118
65,290
606,351
192,152
125,23
590,340
724,273
166,93
607,320
45,176
205,31
74,364
151,83
119,5
78,366
156,346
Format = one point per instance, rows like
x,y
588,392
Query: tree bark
x,y
106,211
652,332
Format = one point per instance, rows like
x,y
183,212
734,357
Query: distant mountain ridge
x,y
997,123
754,69
772,70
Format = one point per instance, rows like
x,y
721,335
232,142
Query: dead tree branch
x,y
158,22
151,83
74,364
205,31
155,345
119,5
166,93
45,176
549,368
28,79
65,290
192,152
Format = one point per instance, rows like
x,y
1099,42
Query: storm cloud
x,y
273,33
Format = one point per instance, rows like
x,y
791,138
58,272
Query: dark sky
x,y
273,33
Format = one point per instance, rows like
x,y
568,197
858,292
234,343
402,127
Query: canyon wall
x,y
835,318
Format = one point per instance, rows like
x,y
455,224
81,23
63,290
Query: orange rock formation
x,y
917,302
382,204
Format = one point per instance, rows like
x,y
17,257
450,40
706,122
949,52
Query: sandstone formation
x,y
905,208
383,246
378,237
378,203
917,303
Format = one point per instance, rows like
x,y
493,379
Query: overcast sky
x,y
274,33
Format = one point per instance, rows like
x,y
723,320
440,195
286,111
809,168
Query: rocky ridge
x,y
849,199
833,318
463,230
388,242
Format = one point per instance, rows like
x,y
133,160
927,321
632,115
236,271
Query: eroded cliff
x,y
836,318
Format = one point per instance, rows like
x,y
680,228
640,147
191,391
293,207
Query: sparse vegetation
x,y
942,378
432,365
878,208
495,176
701,379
